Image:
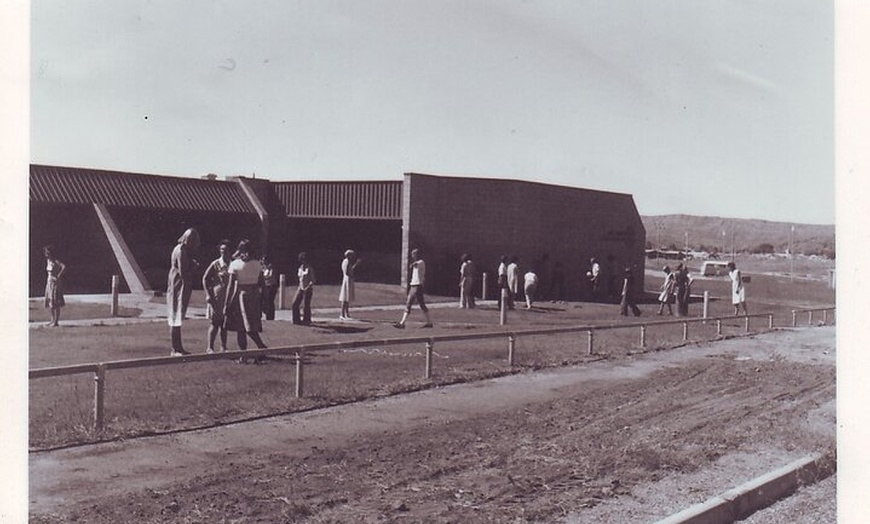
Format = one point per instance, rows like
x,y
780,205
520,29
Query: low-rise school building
x,y
103,223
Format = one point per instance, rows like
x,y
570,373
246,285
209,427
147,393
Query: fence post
x,y
512,342
282,283
770,321
719,327
429,345
793,318
99,396
502,316
643,336
484,289
685,331
706,304
299,373
115,295
825,317
747,324
810,319
589,349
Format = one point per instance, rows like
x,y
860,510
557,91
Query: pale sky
x,y
721,107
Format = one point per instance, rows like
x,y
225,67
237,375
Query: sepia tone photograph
x,y
495,262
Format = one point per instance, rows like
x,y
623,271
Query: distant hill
x,y
746,235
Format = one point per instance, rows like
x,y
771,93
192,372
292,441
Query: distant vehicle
x,y
714,268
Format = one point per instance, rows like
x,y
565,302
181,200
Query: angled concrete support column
x,y
133,274
261,212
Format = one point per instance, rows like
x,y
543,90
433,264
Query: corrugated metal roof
x,y
370,199
70,185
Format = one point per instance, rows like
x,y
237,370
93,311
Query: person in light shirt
x,y
243,307
415,289
530,287
304,292
513,279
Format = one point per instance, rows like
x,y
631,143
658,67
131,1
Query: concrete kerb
x,y
744,500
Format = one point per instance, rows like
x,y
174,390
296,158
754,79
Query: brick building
x,y
105,223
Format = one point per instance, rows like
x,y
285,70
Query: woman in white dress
x,y
738,290
346,293
666,297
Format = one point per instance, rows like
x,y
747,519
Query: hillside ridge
x,y
718,234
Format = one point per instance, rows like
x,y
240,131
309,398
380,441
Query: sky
x,y
719,108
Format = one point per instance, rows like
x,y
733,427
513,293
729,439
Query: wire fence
x,y
301,355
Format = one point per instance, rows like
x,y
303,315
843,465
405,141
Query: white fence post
x,y
282,283
299,373
429,345
706,304
502,316
99,396
115,285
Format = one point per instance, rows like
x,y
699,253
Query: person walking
x,y
346,293
270,289
530,287
415,289
304,292
53,289
215,282
242,307
627,301
683,286
738,289
666,297
466,282
179,286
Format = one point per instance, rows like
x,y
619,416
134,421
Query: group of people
x,y
677,287
239,289
508,281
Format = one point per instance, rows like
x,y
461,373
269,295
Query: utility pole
x,y
791,253
732,243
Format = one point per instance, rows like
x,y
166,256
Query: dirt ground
x,y
622,440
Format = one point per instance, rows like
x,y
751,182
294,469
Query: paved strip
x,y
738,503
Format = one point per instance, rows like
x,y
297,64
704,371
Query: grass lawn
x,y
171,397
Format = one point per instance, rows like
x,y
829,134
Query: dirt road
x,y
628,440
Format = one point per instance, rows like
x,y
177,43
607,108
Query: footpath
x,y
155,311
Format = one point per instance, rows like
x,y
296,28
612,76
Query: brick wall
x,y
449,216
